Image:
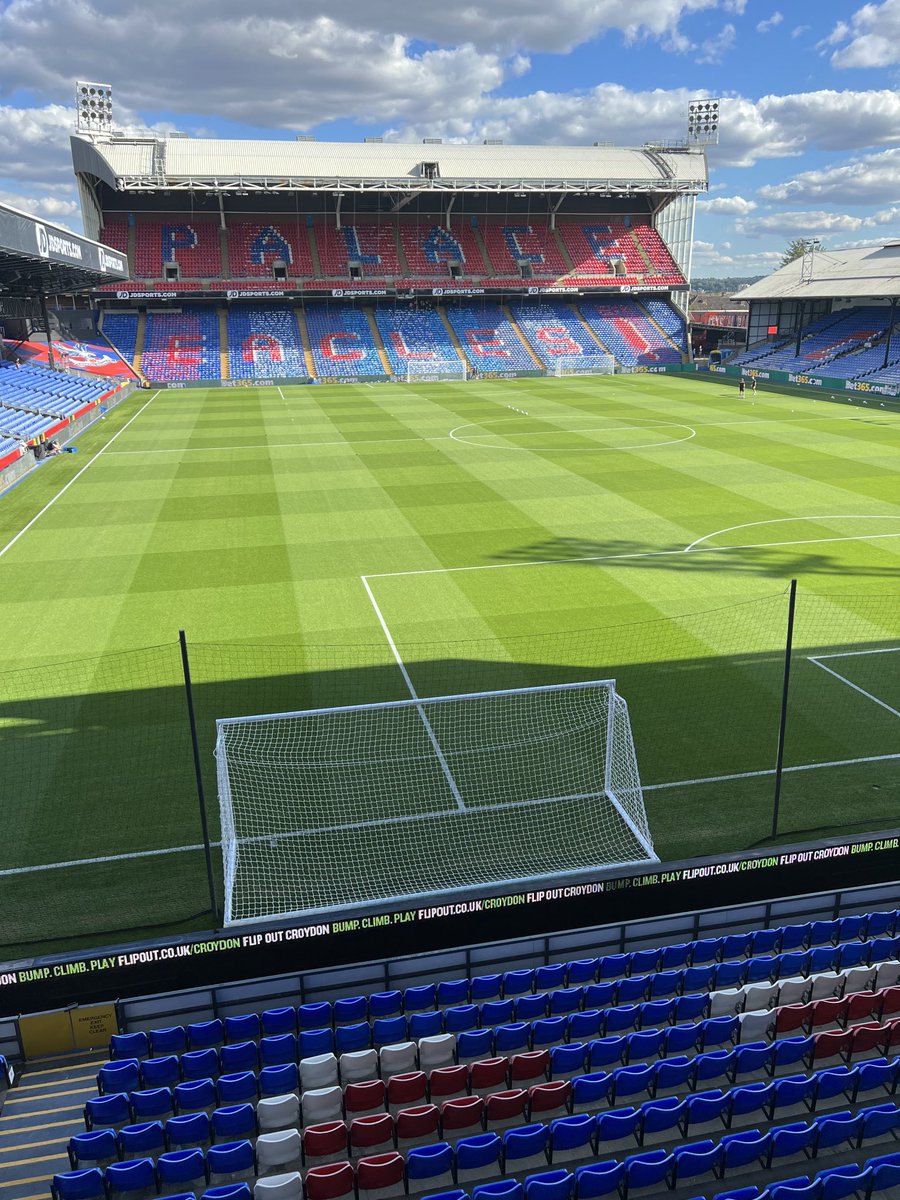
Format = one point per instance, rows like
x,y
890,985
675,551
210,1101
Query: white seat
x,y
321,1070
759,995
726,1003
279,1187
793,990
887,974
756,1026
279,1112
859,979
278,1152
359,1066
825,984
398,1059
323,1104
439,1050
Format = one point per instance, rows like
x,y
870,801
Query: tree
x,y
795,248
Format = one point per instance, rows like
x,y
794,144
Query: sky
x,y
810,119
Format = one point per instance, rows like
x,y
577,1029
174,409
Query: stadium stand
x,y
253,248
554,331
373,246
341,342
596,247
840,344
182,346
264,342
628,332
509,244
430,249
191,242
413,332
121,329
35,401
488,338
115,234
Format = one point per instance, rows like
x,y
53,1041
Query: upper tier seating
x,y
264,342
663,266
429,249
594,246
341,341
488,338
182,345
192,242
372,245
415,332
115,234
122,329
253,246
508,243
624,327
554,331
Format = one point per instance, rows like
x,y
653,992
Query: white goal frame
x,y
436,370
584,364
623,795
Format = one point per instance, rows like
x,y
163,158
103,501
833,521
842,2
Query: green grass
x,y
249,517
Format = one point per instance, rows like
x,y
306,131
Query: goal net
x,y
331,809
584,364
430,370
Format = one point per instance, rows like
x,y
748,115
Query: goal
x,y
444,370
584,364
334,809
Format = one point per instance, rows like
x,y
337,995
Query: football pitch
x,y
348,544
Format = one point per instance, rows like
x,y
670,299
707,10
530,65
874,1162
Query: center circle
x,y
506,439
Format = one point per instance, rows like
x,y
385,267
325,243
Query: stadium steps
x,y
651,270
590,332
507,312
129,248
139,341
226,258
451,334
377,338
39,1116
671,341
563,251
224,360
482,250
316,264
304,335
404,266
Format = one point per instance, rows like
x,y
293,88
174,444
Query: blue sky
x,y
810,142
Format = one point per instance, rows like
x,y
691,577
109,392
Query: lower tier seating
x,y
341,341
264,342
554,331
489,340
625,328
413,333
182,346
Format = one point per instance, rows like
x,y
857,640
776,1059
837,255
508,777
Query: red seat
x,y
830,1013
461,1116
418,1126
488,1075
893,1038
866,1007
792,1019
332,1182
381,1174
371,1135
447,1083
866,1038
530,1067
505,1108
889,1002
547,1100
325,1143
832,1044
362,1098
406,1090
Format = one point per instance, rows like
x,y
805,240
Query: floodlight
x,y
93,107
703,122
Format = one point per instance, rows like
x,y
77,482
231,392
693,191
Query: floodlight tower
x,y
808,262
703,123
93,107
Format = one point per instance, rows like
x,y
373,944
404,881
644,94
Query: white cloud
x,y
54,208
869,179
872,37
709,258
770,22
800,224
714,49
799,30
726,206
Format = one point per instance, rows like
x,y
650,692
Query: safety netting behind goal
x,y
332,809
584,364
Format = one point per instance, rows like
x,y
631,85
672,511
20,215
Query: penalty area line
x,y
854,686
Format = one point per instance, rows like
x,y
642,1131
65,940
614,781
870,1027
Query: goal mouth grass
x,y
329,810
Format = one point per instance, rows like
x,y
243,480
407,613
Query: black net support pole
x,y
198,773
782,727
45,317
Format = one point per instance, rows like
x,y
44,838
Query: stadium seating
x,y
122,329
849,344
512,242
341,341
372,245
36,402
192,242
254,246
182,346
264,342
115,234
554,331
429,250
595,247
663,268
413,332
628,332
488,338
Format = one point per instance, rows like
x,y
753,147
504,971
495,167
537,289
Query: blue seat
x,y
349,1010
633,1082
736,945
137,1141
419,999
885,1174
452,1194
643,962
695,1160
792,1092
613,966
524,1143
792,1050
691,1008
759,969
835,1081
632,989
600,995
585,1025
744,1149
242,1087
657,1013
181,1167
79,1185
194,1095
647,1170
201,1035
461,1017
706,951
838,1183
452,991
311,1042
719,1031
754,1098
171,1040
348,1038
497,1012
234,1123
549,1185
599,1179
665,984
550,976
385,1004
93,1149
474,1155
317,1014
509,1039
673,1073
499,1189
160,1072
280,1020
518,983
620,1018
698,979
485,987
788,1140
795,962
795,937
801,1188
228,1191
714,1065
591,1090
567,1060
729,975
877,1121
856,954
388,1031
837,1129
619,1125
879,924
675,956
119,1077
425,1024
199,1064
106,1112
662,1115
681,1038
434,1162
129,1045
566,1000
752,1058
644,1045
280,1048
707,1108
850,928
229,1158
138,1175
607,1052
242,1028
581,971
822,958
153,1104
243,1056
549,1031
193,1129
877,1075
530,1007
571,1137
883,949
473,1044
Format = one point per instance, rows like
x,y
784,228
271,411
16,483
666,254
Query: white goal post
x,y
433,370
330,810
584,364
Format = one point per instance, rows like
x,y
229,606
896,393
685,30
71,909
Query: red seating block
x,y
419,1124
488,1075
326,1142
463,1114
529,1067
368,1097
371,1134
505,1108
445,1083
332,1182
406,1090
